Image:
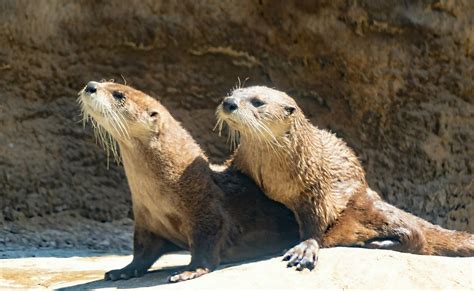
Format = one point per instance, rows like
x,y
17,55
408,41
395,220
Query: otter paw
x,y
188,275
382,244
123,274
303,256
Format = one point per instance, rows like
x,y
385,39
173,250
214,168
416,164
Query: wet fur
x,y
179,201
320,179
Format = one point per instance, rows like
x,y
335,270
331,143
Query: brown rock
x,y
395,78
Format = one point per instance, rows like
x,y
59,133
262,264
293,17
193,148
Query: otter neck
x,y
295,151
169,149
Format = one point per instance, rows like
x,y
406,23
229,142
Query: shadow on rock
x,y
152,278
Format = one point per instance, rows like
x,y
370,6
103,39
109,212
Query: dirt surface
x,y
393,78
379,269
67,231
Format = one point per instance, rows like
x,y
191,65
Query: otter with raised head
x,y
179,201
320,179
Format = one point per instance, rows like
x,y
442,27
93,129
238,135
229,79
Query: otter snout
x,y
91,87
229,104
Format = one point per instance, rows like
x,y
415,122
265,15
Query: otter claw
x,y
303,256
295,258
122,274
187,275
305,263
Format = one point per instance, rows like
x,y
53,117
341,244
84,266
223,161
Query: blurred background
x,y
392,78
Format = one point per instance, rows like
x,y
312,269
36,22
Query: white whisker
x,y
102,136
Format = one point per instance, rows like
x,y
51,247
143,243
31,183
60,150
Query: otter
x,y
318,177
180,201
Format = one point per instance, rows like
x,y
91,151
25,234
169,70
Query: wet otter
x,y
320,179
179,200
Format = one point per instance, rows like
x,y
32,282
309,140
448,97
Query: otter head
x,y
258,113
119,111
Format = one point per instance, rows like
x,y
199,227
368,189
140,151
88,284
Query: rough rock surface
x,y
68,231
393,78
337,269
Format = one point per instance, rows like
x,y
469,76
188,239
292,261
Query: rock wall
x,y
393,78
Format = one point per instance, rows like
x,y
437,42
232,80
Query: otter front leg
x,y
305,254
147,248
205,244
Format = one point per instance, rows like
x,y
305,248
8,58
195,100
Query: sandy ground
x,y
337,268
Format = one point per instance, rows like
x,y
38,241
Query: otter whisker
x,y
85,118
219,124
113,147
118,124
108,143
84,114
124,81
235,139
101,135
252,125
233,135
232,138
263,134
264,129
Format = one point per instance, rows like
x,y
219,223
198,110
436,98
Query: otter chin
x,y
179,200
318,177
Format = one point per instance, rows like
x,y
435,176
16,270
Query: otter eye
x,y
257,102
118,95
290,109
153,114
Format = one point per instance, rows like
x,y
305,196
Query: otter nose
x,y
91,87
229,104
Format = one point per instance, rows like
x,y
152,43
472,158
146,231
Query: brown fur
x,y
320,179
179,201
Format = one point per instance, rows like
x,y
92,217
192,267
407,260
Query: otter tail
x,y
444,242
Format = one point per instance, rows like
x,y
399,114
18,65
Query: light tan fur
x,y
315,174
179,201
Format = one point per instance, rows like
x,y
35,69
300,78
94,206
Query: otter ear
x,y
154,114
289,109
153,119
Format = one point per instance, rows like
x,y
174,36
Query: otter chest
x,y
154,207
275,179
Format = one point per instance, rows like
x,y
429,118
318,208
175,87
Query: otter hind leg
x,y
376,225
367,236
147,248
406,240
396,225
